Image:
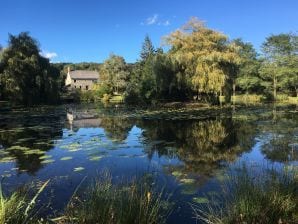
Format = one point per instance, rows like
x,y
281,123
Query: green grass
x,y
18,208
116,99
105,202
270,197
248,99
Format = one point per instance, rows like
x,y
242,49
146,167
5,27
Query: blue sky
x,y
89,30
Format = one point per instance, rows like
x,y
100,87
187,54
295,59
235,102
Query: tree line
x,y
201,64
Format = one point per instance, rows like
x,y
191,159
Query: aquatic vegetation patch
x,y
66,158
45,157
78,169
95,158
47,161
268,197
134,202
200,200
7,159
19,207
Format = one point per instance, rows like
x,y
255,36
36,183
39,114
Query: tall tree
x,y
205,55
248,78
147,49
280,52
28,78
114,73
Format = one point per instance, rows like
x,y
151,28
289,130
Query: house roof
x,y
84,74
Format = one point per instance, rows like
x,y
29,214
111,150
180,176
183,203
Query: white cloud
x,y
49,55
152,20
155,20
165,23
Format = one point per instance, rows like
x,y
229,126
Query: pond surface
x,y
188,151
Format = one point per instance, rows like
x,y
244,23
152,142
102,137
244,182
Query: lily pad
x,y
95,158
66,158
177,173
78,169
187,181
200,200
45,157
47,161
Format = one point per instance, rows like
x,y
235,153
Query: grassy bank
x,y
270,197
105,202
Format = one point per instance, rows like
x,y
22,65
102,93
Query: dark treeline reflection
x,y
26,136
116,128
204,146
281,138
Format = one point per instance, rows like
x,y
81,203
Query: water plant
x,y
18,208
270,196
104,202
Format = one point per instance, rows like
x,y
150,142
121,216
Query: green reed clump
x,y
104,202
270,197
19,208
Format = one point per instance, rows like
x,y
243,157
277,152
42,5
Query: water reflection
x,y
280,138
25,137
202,146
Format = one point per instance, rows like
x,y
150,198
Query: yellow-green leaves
x,y
204,53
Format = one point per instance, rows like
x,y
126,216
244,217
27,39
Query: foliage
x,y
18,208
248,78
270,197
206,56
279,69
105,202
156,77
114,74
27,77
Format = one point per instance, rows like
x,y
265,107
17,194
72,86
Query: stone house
x,y
81,79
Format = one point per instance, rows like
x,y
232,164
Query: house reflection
x,y
77,120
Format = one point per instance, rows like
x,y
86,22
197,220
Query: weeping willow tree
x,y
207,57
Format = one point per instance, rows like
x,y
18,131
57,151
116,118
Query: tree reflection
x,y
203,146
281,138
26,136
116,128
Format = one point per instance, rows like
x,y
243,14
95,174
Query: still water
x,y
188,151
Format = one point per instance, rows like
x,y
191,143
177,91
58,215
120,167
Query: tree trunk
x,y
234,92
274,88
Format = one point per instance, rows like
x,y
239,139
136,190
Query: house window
x,y
87,87
75,87
80,87
74,80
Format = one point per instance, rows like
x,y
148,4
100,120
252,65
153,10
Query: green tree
x,y
248,78
206,56
279,67
147,49
114,73
142,86
28,78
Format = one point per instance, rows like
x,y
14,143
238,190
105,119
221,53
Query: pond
x,y
188,151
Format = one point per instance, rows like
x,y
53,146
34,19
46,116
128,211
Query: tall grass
x,y
270,197
18,208
104,202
